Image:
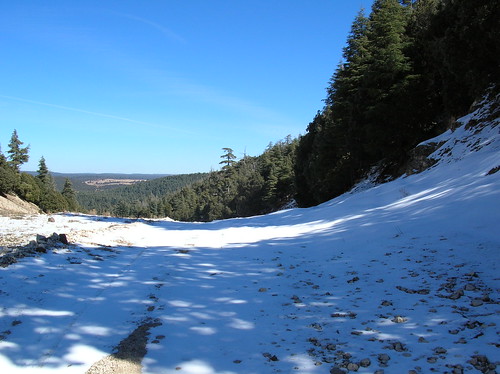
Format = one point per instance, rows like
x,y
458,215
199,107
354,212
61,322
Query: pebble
x,y
352,366
365,362
440,350
476,302
399,319
336,370
383,358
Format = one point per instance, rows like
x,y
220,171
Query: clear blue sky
x,y
160,86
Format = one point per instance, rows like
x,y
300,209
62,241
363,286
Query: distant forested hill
x,y
92,181
137,199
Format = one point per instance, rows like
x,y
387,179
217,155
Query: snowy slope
x,y
403,276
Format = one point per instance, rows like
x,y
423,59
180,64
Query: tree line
x,y
409,68
250,186
39,189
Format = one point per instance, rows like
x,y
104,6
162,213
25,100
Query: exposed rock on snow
x,y
10,254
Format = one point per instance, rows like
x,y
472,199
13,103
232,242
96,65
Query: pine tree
x,y
228,158
69,194
7,176
18,155
44,175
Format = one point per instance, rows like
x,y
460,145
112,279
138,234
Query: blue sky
x,y
160,86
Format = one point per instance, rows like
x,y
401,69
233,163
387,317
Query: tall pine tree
x,y
18,155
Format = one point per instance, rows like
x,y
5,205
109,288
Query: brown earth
x,y
13,205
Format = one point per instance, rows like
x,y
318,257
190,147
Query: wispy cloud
x,y
162,29
92,113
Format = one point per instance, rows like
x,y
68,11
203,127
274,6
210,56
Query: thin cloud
x,y
98,114
164,30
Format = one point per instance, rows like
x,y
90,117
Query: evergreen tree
x,y
43,174
384,83
228,158
69,194
18,155
8,178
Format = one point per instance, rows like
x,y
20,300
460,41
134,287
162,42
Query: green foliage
x,y
253,185
8,177
18,155
228,158
142,199
404,65
29,188
39,190
70,196
44,175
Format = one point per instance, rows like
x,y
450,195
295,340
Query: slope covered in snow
x,y
402,277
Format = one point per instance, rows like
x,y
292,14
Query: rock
x,y
456,295
351,366
419,159
41,239
365,362
383,358
481,363
41,249
351,315
470,287
399,319
355,279
53,238
346,355
270,357
263,289
422,340
336,370
7,260
63,238
476,302
432,360
51,219
398,347
386,303
440,350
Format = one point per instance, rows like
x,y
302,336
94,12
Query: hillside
x,y
92,182
128,200
397,278
13,205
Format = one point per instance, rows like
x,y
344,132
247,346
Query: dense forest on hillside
x,y
142,199
81,181
250,186
409,68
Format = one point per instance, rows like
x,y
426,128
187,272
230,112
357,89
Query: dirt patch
x,y
129,352
13,205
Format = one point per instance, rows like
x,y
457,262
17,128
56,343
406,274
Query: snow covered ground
x,y
402,277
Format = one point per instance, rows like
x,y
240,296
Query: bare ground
x,y
129,352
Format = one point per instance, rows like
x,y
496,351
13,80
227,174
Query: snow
x,y
371,272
